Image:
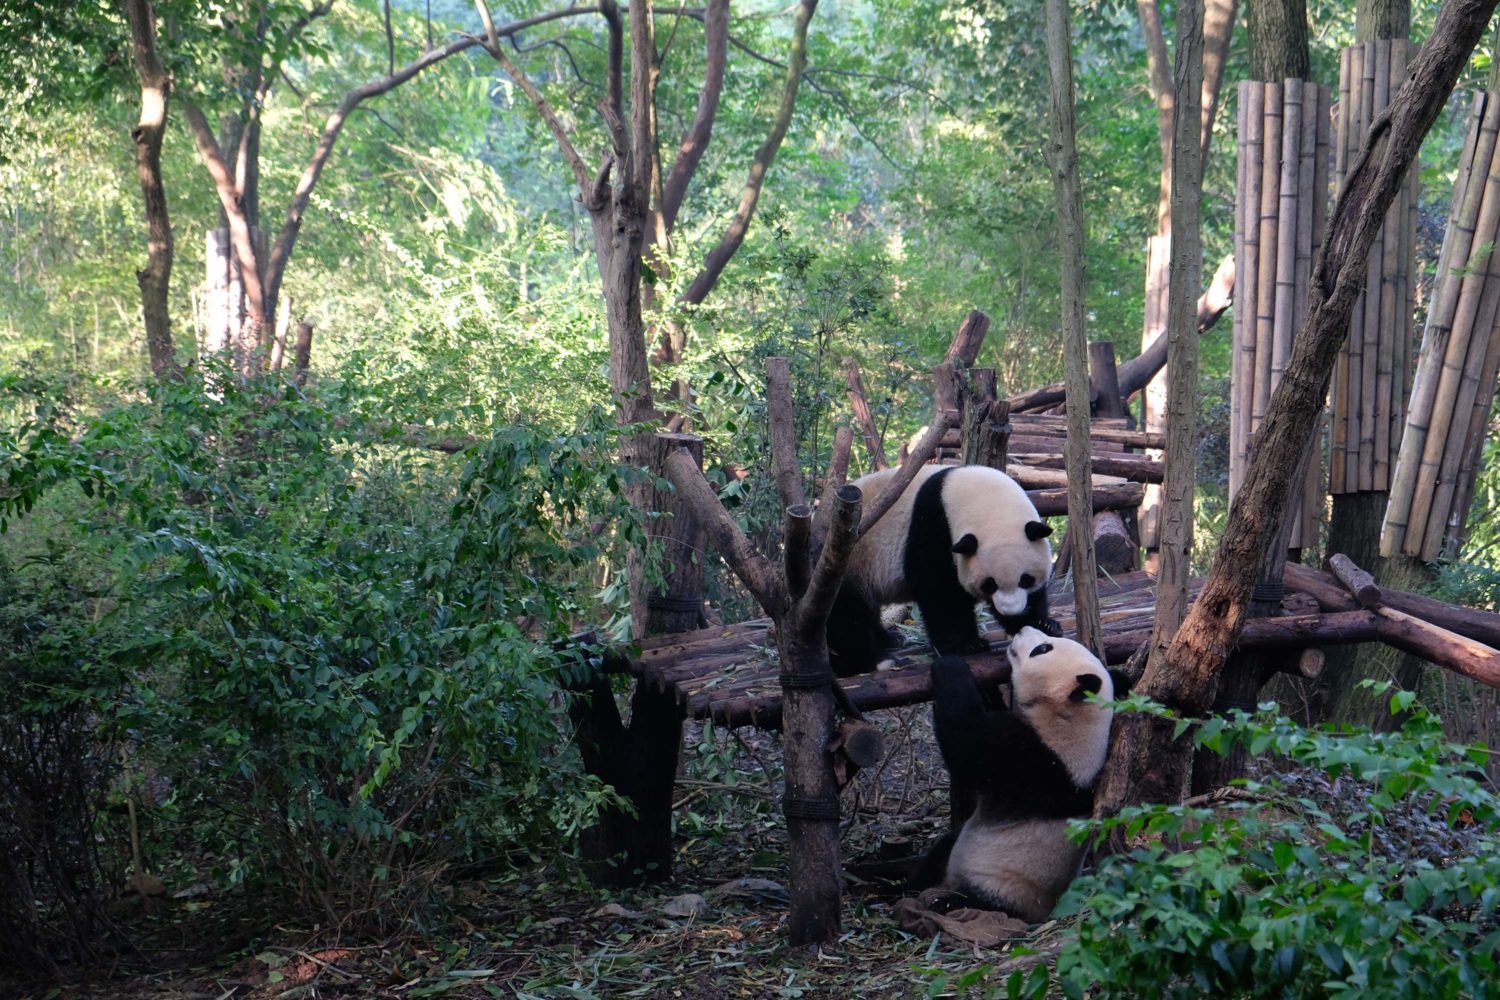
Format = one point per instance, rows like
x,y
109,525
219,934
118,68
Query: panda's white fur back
x,y
978,501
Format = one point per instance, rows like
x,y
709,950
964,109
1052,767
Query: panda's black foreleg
x,y
1037,614
951,625
959,721
933,867
857,640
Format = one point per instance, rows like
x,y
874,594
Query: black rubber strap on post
x,y
814,809
673,602
1269,593
805,679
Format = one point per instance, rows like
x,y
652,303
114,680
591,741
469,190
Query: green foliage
x,y
1287,894
340,659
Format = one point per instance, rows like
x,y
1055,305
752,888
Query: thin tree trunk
x,y
155,280
1175,532
1064,164
734,235
1148,761
1278,40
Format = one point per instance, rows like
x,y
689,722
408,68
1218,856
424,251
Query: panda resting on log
x,y
957,536
1032,767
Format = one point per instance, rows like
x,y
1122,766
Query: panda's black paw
x,y
948,902
967,647
1049,626
892,638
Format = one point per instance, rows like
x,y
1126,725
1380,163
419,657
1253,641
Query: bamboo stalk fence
x,y
1281,212
1454,384
1373,374
1158,253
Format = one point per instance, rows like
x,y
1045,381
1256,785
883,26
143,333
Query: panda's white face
x,y
1052,680
1000,546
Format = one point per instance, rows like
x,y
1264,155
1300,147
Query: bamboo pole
x,y
1270,196
1247,281
1376,90
1454,361
1237,337
1475,169
1354,345
1284,311
1479,422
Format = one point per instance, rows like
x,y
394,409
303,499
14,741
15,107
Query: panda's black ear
x,y
1122,683
966,546
1087,684
1037,529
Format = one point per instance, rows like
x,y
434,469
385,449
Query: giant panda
x,y
1032,768
957,536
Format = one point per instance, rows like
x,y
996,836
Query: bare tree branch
x,y
756,572
734,235
695,140
915,459
782,421
642,70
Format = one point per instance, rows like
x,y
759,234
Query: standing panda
x,y
1032,768
957,536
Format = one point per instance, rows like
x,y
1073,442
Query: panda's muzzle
x,y
1010,602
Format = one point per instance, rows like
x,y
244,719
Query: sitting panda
x,y
957,536
1032,768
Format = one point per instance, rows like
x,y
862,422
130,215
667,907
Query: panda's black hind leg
x,y
856,637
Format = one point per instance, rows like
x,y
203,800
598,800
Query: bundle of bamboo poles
x,y
1158,254
1370,383
1455,380
1281,210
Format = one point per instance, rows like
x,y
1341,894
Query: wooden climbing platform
x,y
730,674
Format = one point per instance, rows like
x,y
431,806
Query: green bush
x,y
1313,881
1289,894
333,652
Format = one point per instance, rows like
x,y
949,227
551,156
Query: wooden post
x,y
627,847
963,350
798,595
302,352
861,406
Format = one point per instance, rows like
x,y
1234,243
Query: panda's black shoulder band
x,y
796,807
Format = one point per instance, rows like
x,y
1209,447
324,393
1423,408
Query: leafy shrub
x,y
1286,894
336,651
1369,868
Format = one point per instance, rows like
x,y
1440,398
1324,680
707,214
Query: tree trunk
x,y
1147,764
1278,40
1175,521
1064,163
155,280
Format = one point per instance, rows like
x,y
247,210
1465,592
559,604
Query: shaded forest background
x,y
297,635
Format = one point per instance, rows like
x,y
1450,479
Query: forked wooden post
x,y
797,593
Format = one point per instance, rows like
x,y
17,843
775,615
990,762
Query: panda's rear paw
x,y
1051,627
976,644
948,902
892,638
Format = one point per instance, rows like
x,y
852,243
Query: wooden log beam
x,y
1437,645
1481,626
1114,550
1121,465
1054,503
1360,584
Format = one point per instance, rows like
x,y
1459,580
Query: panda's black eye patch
x,y
1026,582
1040,648
989,586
